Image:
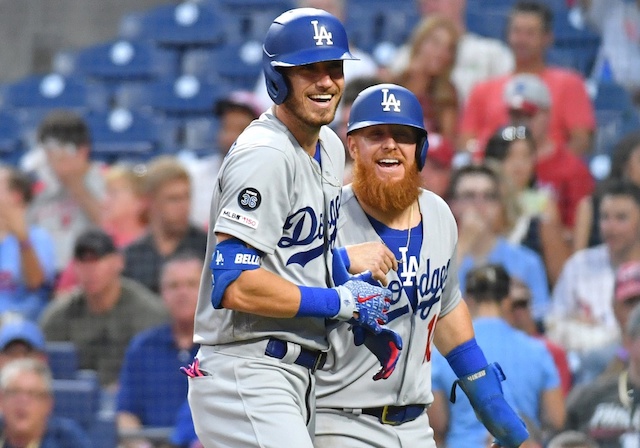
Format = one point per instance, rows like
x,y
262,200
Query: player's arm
x,y
480,381
240,284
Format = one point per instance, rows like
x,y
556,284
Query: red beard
x,y
382,194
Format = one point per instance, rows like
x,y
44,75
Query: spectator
x,y
557,168
477,202
538,225
534,385
618,23
234,112
572,439
161,350
478,58
124,215
27,254
581,317
436,173
571,120
607,410
102,316
428,75
184,434
168,190
625,164
519,316
21,339
26,400
69,188
626,296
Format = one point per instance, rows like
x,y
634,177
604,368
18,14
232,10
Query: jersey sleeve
x,y
451,295
254,196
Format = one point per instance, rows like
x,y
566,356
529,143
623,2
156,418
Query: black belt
x,y
311,359
396,415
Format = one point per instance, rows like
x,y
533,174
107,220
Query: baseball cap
x,y
92,245
627,281
527,93
440,150
238,99
25,331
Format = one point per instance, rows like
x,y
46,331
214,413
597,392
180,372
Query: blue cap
x,y
25,331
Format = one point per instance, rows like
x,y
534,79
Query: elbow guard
x,y
230,258
485,394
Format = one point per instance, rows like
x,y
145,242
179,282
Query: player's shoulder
x,y
434,204
266,135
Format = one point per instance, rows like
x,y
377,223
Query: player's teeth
x,y
321,97
389,161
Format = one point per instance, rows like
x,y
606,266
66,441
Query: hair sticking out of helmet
x,y
299,37
390,104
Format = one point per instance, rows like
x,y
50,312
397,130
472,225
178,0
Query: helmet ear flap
x,y
276,84
422,147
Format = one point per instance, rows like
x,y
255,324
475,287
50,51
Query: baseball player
x,y
267,288
388,142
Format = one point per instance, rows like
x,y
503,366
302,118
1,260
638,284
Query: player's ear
x,y
351,146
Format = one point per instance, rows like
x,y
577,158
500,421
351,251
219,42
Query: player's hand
x,y
386,346
364,304
374,257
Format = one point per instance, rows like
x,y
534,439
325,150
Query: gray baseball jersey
x,y
273,196
346,381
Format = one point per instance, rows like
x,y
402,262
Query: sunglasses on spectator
x,y
475,196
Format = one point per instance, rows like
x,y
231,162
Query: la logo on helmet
x,y
389,100
321,33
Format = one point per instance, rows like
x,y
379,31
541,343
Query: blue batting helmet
x,y
390,104
298,37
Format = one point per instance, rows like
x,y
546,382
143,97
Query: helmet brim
x,y
312,56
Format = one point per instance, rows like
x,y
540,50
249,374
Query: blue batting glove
x,y
386,346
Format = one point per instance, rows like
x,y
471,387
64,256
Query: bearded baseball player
x,y
267,288
388,143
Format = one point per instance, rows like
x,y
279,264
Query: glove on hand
x,y
386,346
369,303
485,395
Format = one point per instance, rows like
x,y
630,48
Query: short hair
x,y
620,187
64,126
183,255
482,169
572,439
161,171
20,182
17,367
533,7
353,88
488,283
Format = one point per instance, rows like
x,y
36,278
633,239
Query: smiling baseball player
x,y
267,287
388,142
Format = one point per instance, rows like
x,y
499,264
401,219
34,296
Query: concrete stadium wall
x,y
32,31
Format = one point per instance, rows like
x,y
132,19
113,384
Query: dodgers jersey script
x,y
267,195
346,380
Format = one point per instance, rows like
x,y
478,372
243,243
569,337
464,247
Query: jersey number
x,y
431,327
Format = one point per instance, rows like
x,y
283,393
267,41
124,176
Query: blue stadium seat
x,y
373,23
77,399
488,22
11,144
52,91
616,115
200,136
572,37
126,135
247,20
182,25
103,432
237,66
185,97
123,60
63,359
